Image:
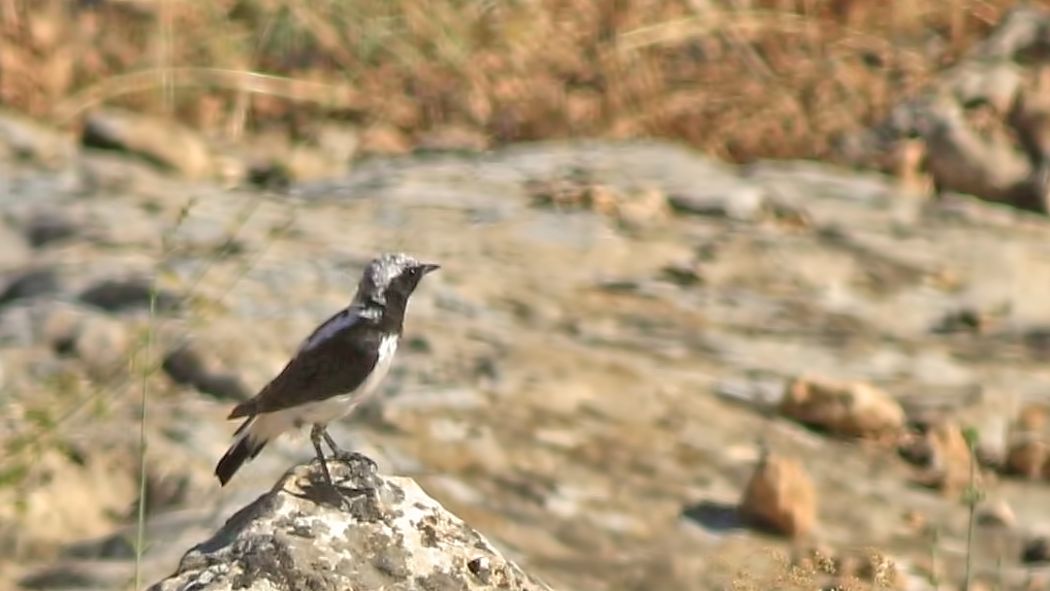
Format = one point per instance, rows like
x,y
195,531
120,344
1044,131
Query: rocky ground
x,y
619,335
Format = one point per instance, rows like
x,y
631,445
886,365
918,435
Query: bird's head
x,y
391,276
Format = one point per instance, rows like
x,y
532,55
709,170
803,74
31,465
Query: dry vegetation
x,y
741,79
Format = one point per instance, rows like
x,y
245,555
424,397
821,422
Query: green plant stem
x,y
140,535
973,497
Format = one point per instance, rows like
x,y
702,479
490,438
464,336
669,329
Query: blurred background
x,y
735,294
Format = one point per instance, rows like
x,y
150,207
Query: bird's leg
x,y
315,437
336,450
348,456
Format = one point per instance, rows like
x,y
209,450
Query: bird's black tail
x,y
244,448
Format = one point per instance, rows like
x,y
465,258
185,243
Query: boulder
x,y
302,535
781,497
853,409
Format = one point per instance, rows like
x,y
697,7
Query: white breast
x,y
387,348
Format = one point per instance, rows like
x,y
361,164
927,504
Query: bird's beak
x,y
428,267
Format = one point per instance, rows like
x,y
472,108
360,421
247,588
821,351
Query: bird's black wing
x,y
336,364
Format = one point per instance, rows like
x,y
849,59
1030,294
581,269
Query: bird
x,y
336,368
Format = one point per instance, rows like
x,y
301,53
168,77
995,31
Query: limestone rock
x,y
781,497
299,536
853,409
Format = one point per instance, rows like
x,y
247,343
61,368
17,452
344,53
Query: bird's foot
x,y
360,464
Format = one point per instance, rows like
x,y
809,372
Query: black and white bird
x,y
335,369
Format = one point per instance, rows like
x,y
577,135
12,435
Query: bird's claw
x,y
357,459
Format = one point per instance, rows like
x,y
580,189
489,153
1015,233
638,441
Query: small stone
x,y
25,138
1027,459
781,497
853,409
1028,452
60,327
45,227
481,568
186,365
156,140
118,295
643,208
30,284
996,514
14,250
385,140
950,458
1036,550
101,343
453,138
1033,417
730,198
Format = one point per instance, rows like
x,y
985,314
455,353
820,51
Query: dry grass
x,y
741,79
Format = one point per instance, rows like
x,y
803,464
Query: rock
x,y
643,207
452,138
1036,550
384,139
963,161
1028,452
950,457
102,343
26,139
274,162
943,452
159,141
118,295
297,536
982,123
14,251
780,496
30,284
852,409
99,340
731,198
186,365
576,190
996,514
47,226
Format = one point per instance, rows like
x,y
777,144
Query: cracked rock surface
x,y
301,535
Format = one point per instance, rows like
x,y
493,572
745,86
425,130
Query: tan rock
x,y
950,457
854,409
158,140
102,343
384,139
1028,452
1027,458
1033,417
644,207
455,138
781,497
996,513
